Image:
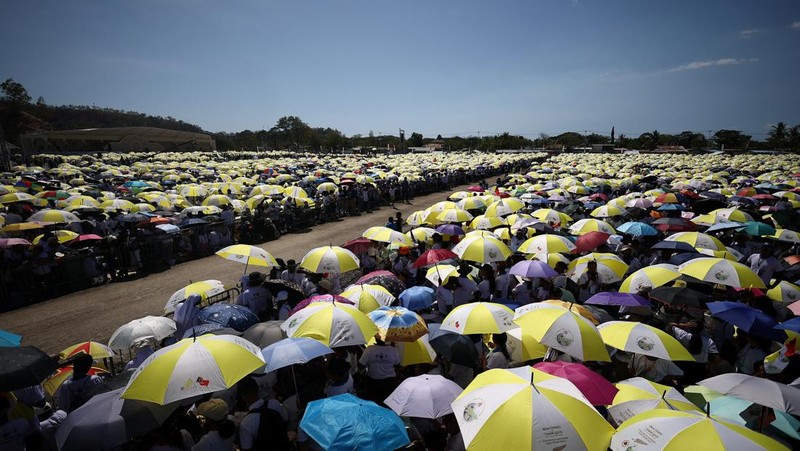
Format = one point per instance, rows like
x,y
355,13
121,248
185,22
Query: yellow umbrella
x,y
524,347
504,207
471,203
551,259
420,234
247,254
482,249
479,318
552,217
193,367
585,226
698,240
204,288
546,243
92,348
610,268
332,324
722,271
386,235
561,329
53,382
329,259
607,211
784,292
21,226
649,277
641,338
368,297
483,222
454,215
57,216
637,395
423,217
527,409
63,236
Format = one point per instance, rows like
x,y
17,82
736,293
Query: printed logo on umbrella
x,y
492,253
564,337
474,409
645,343
721,275
193,384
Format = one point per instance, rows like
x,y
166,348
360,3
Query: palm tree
x,y
778,135
650,139
794,137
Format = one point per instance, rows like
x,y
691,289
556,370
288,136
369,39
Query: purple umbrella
x,y
450,229
532,268
614,298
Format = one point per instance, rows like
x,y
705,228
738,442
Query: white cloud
x,y
796,26
711,63
744,34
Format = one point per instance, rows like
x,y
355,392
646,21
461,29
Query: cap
x,y
213,409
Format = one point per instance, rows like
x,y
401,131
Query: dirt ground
x,y
95,314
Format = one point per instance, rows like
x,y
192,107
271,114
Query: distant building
x,y
436,144
671,149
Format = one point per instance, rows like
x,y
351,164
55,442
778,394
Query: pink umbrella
x,y
358,245
8,242
433,256
88,238
794,307
597,390
320,298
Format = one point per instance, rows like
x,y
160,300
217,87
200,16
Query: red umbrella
x,y
329,298
475,189
358,245
88,238
674,225
433,257
792,259
597,390
591,240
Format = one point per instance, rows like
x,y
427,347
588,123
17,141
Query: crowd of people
x,y
600,227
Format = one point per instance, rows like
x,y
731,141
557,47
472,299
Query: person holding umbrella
x,y
257,297
380,361
74,392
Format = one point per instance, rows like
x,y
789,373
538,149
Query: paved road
x,y
97,312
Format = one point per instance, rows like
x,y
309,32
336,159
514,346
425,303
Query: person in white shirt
x,y
380,361
765,265
291,274
653,368
250,427
499,357
340,380
465,291
444,300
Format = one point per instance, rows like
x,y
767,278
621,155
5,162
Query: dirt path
x,y
97,312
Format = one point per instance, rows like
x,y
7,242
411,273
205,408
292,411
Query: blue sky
x,y
463,67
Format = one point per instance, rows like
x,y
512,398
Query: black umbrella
x,y
675,246
292,289
680,296
704,206
24,366
385,279
133,217
456,348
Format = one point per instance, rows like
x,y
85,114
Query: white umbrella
x,y
425,396
758,390
157,327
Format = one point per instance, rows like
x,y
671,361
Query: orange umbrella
x,y
93,348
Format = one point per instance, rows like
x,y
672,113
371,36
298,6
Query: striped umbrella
x,y
330,259
368,297
479,318
547,243
57,216
482,249
333,324
641,338
398,324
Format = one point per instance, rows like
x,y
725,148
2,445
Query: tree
x,y
731,139
650,140
438,137
778,136
15,92
415,140
290,131
794,137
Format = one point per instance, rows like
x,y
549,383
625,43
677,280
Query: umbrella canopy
x,y
93,348
761,391
433,256
53,382
532,268
417,298
204,289
610,268
547,243
637,395
398,324
293,351
107,421
524,347
333,324
329,259
24,366
386,235
637,229
193,367
456,348
454,215
425,396
57,216
585,226
416,352
482,249
479,318
320,298
9,339
368,297
524,408
680,296
157,327
674,430
697,240
386,279
347,422
784,292
247,254
561,329
237,317
746,318
641,338
649,277
265,334
722,271
594,387
590,241
617,298
358,245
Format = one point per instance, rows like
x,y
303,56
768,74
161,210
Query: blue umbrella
x,y
637,229
450,229
680,259
727,225
9,339
192,222
293,351
228,315
417,298
677,246
348,422
792,324
754,322
209,328
671,207
398,324
616,298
